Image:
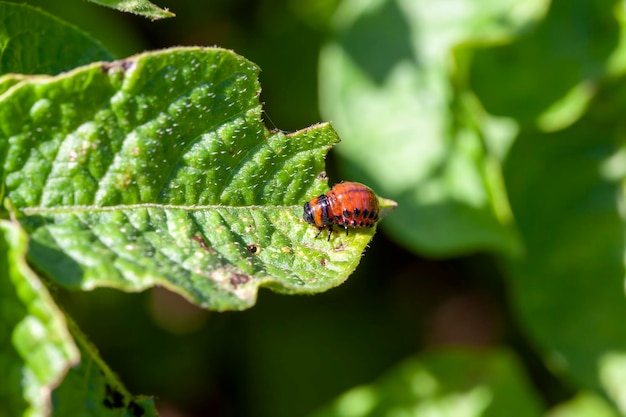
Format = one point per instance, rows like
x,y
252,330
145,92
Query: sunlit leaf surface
x,y
141,7
35,345
157,170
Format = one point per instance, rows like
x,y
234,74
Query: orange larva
x,y
347,204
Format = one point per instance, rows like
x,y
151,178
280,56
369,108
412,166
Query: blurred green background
x,y
498,127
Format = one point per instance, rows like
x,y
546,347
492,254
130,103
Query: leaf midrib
x,y
130,207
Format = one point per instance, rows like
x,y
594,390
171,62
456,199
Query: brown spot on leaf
x,y
201,241
340,248
236,281
123,65
254,248
239,279
323,261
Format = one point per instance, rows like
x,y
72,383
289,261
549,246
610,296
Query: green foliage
x,y
410,107
153,170
91,389
35,346
141,7
497,125
158,170
444,383
34,42
564,188
584,405
510,127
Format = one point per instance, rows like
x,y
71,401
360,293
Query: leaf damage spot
x,y
323,261
237,282
254,248
340,248
136,409
285,249
322,176
113,398
117,66
202,242
239,279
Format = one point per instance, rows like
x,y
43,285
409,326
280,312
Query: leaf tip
x,y
386,206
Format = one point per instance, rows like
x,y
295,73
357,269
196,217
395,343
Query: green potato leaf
x,y
90,388
140,7
157,170
584,404
567,193
446,382
547,78
394,80
36,348
35,42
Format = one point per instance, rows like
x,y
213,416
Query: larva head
x,y
316,211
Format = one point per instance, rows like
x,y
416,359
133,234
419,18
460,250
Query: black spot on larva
x,y
357,212
365,213
346,213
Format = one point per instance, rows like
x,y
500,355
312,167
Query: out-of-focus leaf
x,y
444,383
566,191
124,41
141,7
8,81
584,404
613,375
555,67
34,42
394,82
91,389
35,346
158,170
